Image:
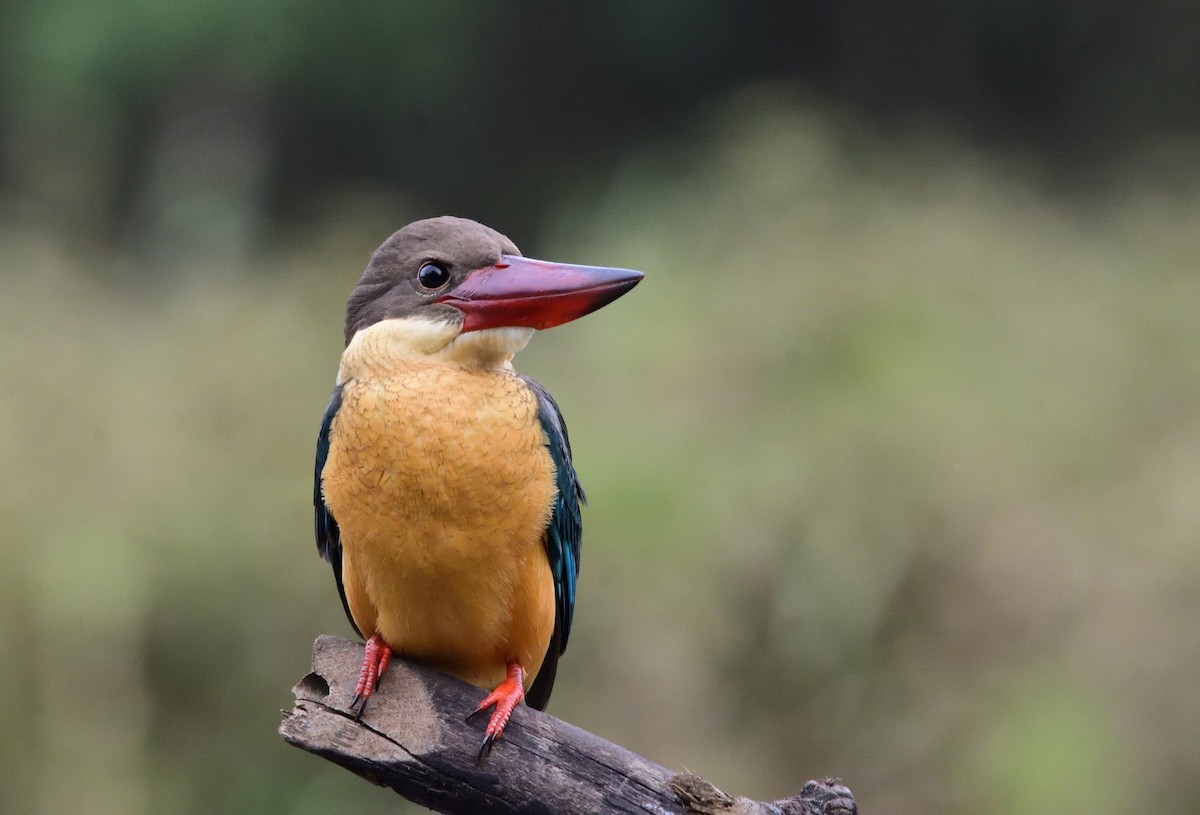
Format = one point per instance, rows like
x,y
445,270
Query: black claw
x,y
357,705
485,749
474,713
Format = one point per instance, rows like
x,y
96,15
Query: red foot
x,y
375,662
505,697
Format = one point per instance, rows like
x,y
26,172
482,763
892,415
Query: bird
x,y
446,499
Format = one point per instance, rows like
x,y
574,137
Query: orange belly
x,y
439,478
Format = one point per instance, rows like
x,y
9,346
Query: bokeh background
x,y
894,457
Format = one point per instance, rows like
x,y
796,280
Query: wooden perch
x,y
413,739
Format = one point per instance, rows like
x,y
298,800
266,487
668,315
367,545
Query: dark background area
x,y
499,108
894,457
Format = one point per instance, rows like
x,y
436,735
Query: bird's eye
x,y
433,275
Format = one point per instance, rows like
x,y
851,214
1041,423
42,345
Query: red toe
x,y
507,695
375,662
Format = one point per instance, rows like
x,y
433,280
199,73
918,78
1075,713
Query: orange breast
x,y
440,480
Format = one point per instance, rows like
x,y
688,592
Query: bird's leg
x,y
375,662
505,697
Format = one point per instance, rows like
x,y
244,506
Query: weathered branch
x,y
413,739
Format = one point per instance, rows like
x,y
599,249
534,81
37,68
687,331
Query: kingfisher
x,y
446,499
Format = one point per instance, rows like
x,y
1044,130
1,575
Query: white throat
x,y
410,339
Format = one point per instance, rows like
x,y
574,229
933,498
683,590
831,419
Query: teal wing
x,y
563,537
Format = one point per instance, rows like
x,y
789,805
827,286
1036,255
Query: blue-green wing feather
x,y
563,538
329,538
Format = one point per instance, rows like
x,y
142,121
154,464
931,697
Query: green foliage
x,y
892,457
892,462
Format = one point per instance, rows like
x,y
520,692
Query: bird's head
x,y
452,276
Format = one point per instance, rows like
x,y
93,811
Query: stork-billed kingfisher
x,y
446,499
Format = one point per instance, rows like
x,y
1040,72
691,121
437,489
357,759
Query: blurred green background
x,y
894,457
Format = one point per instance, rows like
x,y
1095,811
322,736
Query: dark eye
x,y
433,275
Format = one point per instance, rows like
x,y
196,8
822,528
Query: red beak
x,y
526,293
